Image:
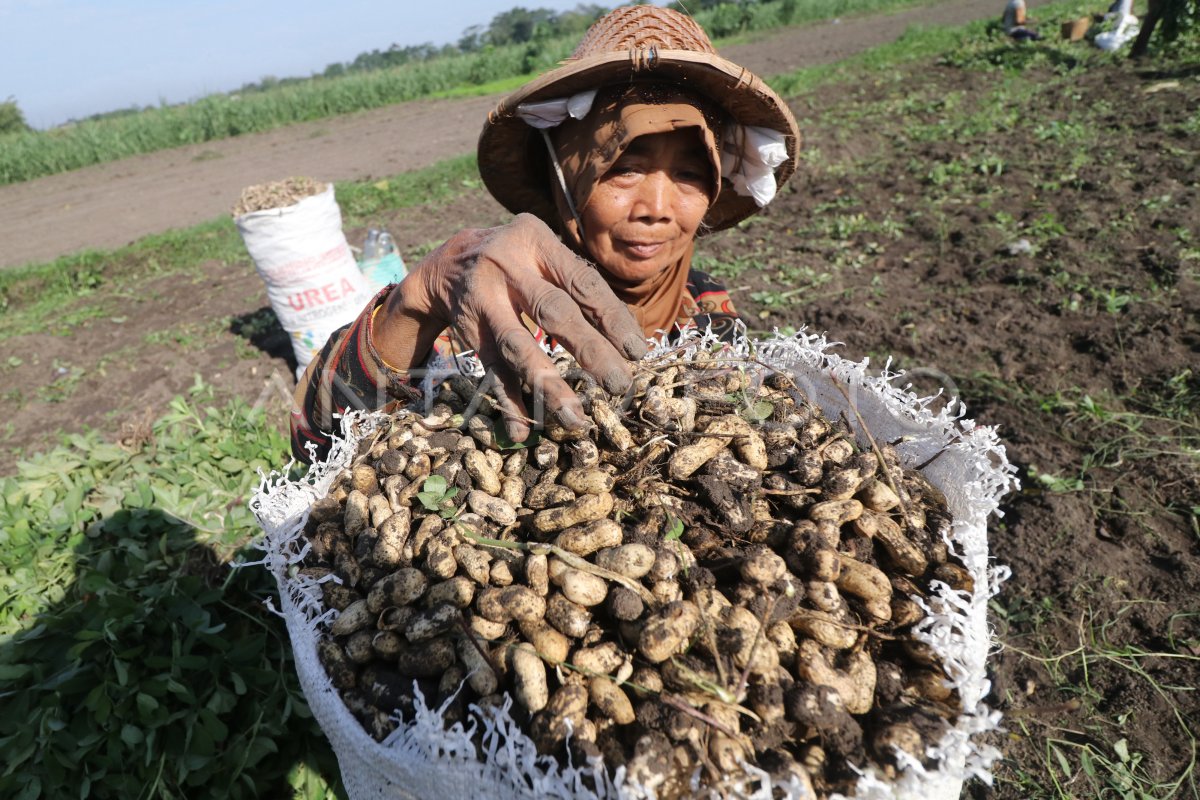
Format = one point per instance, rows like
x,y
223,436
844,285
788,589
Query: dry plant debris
x,y
714,572
276,194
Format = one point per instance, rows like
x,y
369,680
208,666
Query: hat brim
x,y
512,160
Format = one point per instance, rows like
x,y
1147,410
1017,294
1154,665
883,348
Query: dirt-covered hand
x,y
481,281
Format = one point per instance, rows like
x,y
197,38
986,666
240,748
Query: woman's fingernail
x,y
569,418
616,381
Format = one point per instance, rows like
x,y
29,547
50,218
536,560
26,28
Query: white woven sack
x,y
313,281
422,760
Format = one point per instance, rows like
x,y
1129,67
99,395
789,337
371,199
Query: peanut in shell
x,y
854,683
392,536
548,495
493,508
530,686
378,509
631,560
480,675
522,603
485,628
353,618
340,669
358,646
387,644
357,515
427,660
537,575
430,622
587,480
439,557
512,490
549,643
501,573
903,553
864,580
821,627
838,512
610,700
459,591
602,659
475,562
588,508
401,588
481,472
610,425
568,618
586,539
668,631
718,434
564,713
582,588
876,495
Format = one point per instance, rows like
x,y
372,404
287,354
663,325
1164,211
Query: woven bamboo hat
x,y
634,43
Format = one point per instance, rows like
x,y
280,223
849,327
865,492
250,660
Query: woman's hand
x,y
478,284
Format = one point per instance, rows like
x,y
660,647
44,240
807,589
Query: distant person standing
x,y
1014,21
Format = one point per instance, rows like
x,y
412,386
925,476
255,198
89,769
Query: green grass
x,y
134,661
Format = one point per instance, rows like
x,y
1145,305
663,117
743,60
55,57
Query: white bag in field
x,y
421,759
312,278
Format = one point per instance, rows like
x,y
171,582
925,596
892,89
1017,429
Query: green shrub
x,y
11,118
134,662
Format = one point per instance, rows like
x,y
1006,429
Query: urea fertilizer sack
x,y
421,759
313,281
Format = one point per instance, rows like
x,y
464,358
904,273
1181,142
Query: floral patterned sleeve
x,y
708,305
347,374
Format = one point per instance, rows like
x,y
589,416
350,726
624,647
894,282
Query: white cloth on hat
x,y
750,154
553,112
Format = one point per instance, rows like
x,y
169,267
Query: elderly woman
x,y
614,163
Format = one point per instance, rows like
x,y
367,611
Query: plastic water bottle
x,y
381,264
371,246
384,244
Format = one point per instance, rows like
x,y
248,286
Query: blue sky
x,y
63,59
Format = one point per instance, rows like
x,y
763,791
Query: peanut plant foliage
x,y
135,662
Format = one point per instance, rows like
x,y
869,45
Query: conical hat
x,y
634,43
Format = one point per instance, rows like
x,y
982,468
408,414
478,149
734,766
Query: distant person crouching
x,y
1014,21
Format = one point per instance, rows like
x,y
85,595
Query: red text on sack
x,y
329,293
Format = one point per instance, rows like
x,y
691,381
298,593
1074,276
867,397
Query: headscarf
x,y
589,147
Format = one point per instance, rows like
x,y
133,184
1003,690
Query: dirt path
x,y
111,205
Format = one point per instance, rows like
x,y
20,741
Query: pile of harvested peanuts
x,y
712,573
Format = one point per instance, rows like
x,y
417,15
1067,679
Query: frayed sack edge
x,y
422,759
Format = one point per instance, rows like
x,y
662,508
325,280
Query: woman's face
x,y
646,210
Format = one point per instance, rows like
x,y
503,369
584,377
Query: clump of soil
x,y
716,573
